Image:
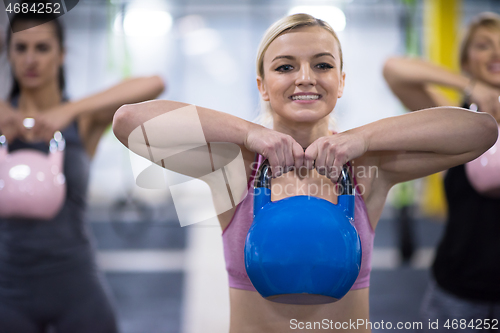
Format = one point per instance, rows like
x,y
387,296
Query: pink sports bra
x,y
233,238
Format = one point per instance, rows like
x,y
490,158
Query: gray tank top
x,y
34,247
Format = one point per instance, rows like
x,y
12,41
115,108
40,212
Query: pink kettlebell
x,y
484,172
32,184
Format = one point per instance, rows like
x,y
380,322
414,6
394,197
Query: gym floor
x,y
158,287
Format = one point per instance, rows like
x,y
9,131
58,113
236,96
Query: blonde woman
x,y
300,78
464,284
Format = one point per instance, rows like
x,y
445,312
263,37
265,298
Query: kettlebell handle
x,y
264,179
57,143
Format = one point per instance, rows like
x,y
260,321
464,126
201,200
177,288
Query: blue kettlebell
x,y
302,249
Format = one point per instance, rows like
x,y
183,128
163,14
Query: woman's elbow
x,y
488,132
492,130
390,69
122,123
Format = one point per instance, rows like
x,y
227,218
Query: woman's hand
x,y
487,99
328,154
11,123
282,151
47,123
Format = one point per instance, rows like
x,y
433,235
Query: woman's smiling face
x,y
483,56
302,75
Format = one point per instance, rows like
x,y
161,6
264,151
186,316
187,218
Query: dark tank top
x,y
467,261
32,247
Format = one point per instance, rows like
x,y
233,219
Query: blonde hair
x,y
280,27
487,20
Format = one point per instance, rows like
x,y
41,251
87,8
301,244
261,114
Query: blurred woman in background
x,y
465,274
48,274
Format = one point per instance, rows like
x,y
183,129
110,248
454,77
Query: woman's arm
x,y
427,141
98,109
402,148
413,80
217,126
410,80
409,146
11,123
95,112
161,128
101,107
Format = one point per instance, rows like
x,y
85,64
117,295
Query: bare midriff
x,y
251,313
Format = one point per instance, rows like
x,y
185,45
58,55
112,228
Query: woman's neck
x,y
303,133
32,101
